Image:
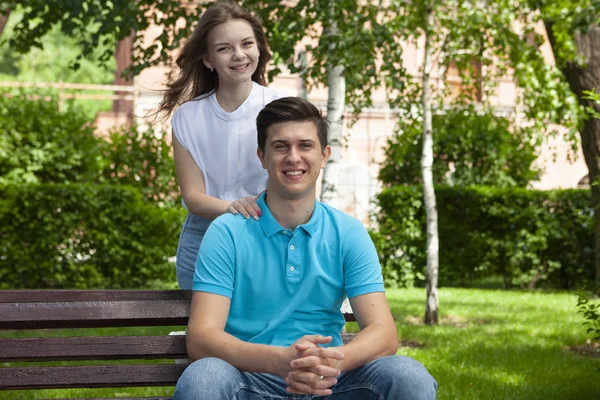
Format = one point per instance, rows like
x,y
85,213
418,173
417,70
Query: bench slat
x,y
90,376
92,348
81,309
94,314
98,348
54,296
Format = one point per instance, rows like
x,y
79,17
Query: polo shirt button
x,y
292,269
292,247
285,232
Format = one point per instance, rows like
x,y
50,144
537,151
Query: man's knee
x,y
407,377
207,378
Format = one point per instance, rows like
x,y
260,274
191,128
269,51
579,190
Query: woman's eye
x,y
222,48
248,44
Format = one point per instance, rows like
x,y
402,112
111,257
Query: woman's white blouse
x,y
223,144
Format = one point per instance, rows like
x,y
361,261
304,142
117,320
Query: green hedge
x,y
85,236
41,143
530,238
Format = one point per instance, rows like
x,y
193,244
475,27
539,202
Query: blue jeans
x,y
392,377
192,232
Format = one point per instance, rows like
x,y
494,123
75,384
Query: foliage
x,y
589,307
593,96
140,158
466,37
474,42
41,64
98,24
44,144
41,143
530,238
302,29
84,236
567,18
471,148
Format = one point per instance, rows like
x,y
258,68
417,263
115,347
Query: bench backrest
x,y
53,309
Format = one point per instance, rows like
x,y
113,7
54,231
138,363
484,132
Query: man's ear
x,y
326,155
207,63
261,157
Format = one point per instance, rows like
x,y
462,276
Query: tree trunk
x,y
4,14
336,99
580,78
431,304
123,55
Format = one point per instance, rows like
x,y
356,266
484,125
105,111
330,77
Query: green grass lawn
x,y
490,344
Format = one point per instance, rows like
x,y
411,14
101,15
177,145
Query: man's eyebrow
x,y
277,141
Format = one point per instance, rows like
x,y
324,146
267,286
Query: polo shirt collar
x,y
270,225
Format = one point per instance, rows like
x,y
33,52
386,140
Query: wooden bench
x,y
59,309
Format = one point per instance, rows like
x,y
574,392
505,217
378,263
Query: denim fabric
x,y
192,232
392,377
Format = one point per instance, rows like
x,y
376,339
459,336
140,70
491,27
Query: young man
x,y
265,320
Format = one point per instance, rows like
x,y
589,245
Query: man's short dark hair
x,y
290,109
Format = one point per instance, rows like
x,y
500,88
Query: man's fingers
x,y
308,362
317,339
323,370
313,375
324,352
303,346
316,387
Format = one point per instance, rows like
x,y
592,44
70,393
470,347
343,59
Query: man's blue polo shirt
x,y
284,284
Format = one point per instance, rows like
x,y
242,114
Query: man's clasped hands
x,y
312,369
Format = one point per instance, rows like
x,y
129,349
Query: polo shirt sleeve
x,y
362,271
215,267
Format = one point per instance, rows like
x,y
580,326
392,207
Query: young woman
x,y
222,88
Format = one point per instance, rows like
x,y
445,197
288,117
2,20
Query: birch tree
x,y
336,99
341,41
481,42
431,304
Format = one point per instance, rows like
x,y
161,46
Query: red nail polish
x,y
259,213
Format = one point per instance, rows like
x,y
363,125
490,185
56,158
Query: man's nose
x,y
293,155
